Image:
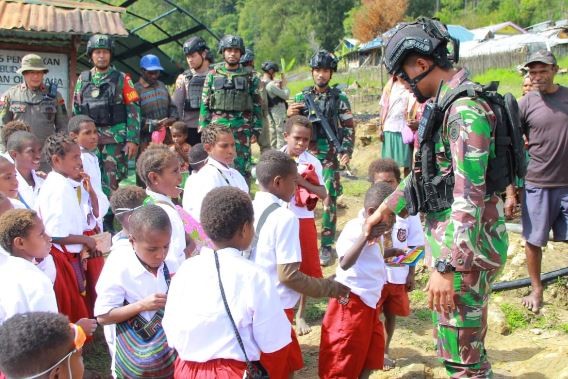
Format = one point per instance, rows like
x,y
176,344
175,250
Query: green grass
x,y
515,317
423,314
418,297
563,327
367,78
315,309
354,188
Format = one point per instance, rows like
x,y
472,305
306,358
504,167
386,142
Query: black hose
x,y
519,283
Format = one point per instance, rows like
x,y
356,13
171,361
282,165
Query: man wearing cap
x,y
231,97
277,94
109,98
156,107
189,85
544,117
465,227
38,105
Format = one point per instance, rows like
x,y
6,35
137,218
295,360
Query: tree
x,y
327,21
376,17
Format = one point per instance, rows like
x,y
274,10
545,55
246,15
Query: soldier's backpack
x,y
429,192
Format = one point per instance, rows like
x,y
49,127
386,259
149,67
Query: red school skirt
x,y
309,244
94,268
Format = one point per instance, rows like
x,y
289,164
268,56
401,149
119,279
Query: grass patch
x,y
315,310
515,317
418,297
423,314
355,188
563,327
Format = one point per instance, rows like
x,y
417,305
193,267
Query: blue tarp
x,y
371,45
461,33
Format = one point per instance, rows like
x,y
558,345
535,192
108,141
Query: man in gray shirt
x,y
544,117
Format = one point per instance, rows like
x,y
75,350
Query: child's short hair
x,y
125,199
197,156
18,139
210,133
15,223
224,212
154,159
31,343
57,144
273,163
180,127
297,120
74,125
11,127
146,218
377,194
383,165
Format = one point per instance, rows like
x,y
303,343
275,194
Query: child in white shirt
x,y
298,135
219,143
8,129
196,322
9,182
406,233
352,336
278,250
25,150
132,292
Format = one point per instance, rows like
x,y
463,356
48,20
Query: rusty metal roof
x,y
61,16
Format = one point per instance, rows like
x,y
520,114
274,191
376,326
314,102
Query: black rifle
x,y
316,117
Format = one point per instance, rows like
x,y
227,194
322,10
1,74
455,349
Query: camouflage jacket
x,y
471,235
235,120
345,122
44,115
128,131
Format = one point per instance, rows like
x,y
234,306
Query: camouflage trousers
x,y
243,162
460,335
114,166
332,183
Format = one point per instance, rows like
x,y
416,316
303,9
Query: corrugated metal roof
x,y
61,16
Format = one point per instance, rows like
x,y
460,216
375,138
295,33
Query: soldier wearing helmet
x,y
189,85
157,110
109,98
277,95
231,97
334,105
466,236
38,105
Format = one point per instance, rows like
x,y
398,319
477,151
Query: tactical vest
x,y
430,192
193,90
102,103
231,94
329,107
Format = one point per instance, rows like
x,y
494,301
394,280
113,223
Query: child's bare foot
x,y
302,327
389,363
533,301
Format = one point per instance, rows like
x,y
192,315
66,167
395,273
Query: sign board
x,y
58,65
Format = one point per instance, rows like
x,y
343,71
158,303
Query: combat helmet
x,y
269,65
100,41
324,59
230,41
247,57
194,44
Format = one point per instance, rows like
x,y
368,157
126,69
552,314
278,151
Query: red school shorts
x,y
394,300
94,269
213,369
352,339
281,363
309,244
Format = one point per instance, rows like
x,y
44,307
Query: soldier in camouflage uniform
x,y
334,106
108,97
231,98
32,102
277,95
467,242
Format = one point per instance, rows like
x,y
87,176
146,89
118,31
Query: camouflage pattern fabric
x,y
264,137
112,138
243,124
326,154
471,235
277,114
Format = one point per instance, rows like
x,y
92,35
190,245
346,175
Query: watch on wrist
x,y
444,267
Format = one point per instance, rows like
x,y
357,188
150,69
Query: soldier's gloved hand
x,y
131,149
294,109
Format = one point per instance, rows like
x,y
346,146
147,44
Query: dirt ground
x,y
520,344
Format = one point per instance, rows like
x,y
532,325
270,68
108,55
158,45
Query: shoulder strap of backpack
x,y
261,221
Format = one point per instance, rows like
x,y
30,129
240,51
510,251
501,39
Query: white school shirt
x,y
176,254
302,162
405,232
278,243
89,220
17,204
58,207
24,289
47,266
28,194
124,278
196,323
212,175
368,275
91,167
